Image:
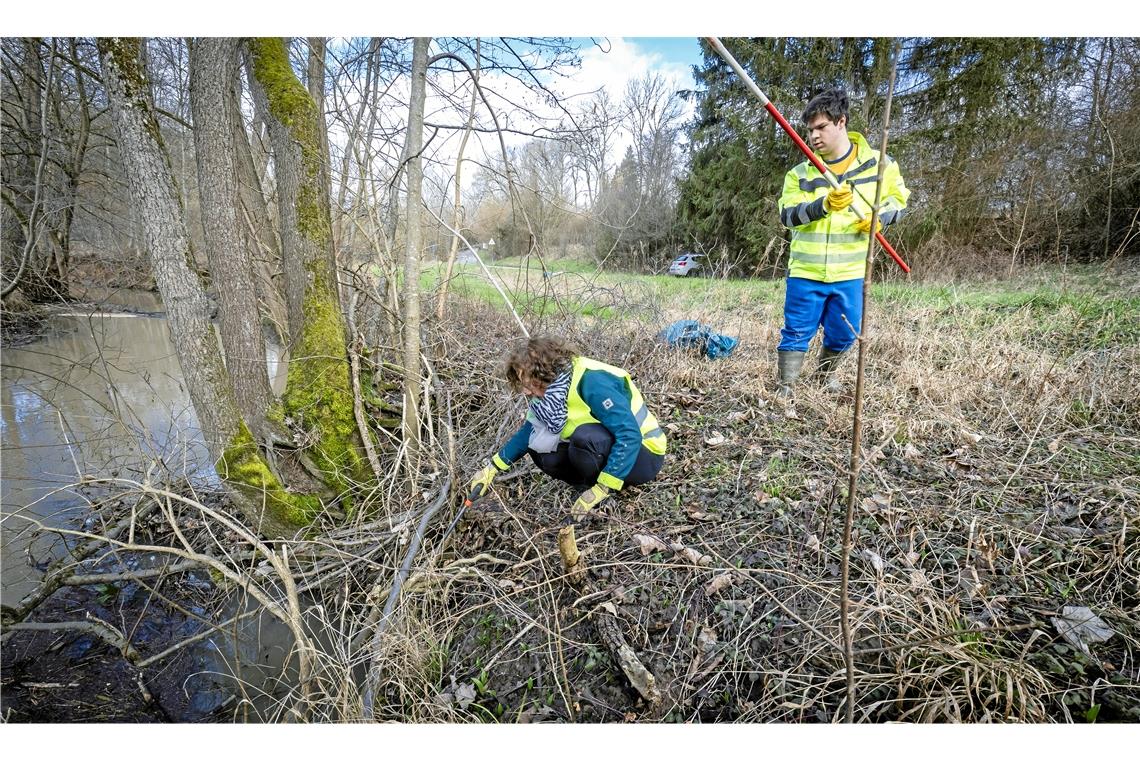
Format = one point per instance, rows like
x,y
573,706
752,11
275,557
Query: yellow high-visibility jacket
x,y
600,393
827,247
578,412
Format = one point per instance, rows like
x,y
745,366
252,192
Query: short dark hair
x,y
832,103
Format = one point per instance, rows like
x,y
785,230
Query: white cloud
x,y
610,65
625,61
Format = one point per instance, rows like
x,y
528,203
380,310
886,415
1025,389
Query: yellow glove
x,y
481,482
839,198
864,225
587,500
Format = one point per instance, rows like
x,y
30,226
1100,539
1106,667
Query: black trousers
x,y
580,459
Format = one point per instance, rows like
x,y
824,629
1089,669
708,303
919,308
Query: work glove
x,y
481,482
839,198
587,500
864,225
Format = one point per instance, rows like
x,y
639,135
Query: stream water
x,y
99,394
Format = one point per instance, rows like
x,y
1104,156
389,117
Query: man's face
x,y
826,137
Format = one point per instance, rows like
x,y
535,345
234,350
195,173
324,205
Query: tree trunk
x,y
213,61
286,177
412,377
155,195
255,490
318,392
316,86
73,169
255,220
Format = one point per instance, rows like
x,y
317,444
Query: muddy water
x,y
101,394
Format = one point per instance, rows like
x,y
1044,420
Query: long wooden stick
x,y
857,424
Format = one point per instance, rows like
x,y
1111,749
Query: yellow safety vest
x,y
578,411
831,249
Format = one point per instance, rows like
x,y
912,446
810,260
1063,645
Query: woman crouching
x,y
586,424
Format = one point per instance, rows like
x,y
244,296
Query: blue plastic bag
x,y
688,333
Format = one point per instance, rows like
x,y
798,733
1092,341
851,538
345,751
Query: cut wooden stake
x,y
606,624
572,561
643,680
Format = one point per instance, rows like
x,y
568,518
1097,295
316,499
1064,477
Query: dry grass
x,y
1002,433
1003,485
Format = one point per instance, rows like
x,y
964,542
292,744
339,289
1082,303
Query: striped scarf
x,y
551,408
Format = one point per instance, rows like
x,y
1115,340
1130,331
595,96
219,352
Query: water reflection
x,y
99,395
102,395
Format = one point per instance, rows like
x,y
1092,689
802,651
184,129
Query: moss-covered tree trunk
x,y
155,194
255,221
318,392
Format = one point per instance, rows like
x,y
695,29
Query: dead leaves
x,y
699,516
692,555
1080,627
968,437
719,583
650,544
877,503
875,560
912,454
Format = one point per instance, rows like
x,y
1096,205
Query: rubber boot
x,y
828,361
789,364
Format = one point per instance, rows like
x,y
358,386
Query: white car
x,y
686,263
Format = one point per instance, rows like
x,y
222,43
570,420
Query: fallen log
x,y
606,624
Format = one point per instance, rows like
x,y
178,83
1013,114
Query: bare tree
x,y
593,145
213,64
457,217
638,207
47,122
318,393
413,378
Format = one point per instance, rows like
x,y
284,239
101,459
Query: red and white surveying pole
x,y
740,72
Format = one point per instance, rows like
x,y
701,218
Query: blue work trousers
x,y
809,304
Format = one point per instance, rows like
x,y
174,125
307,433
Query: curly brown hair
x,y
542,358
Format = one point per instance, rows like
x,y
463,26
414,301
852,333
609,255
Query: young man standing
x,y
829,242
